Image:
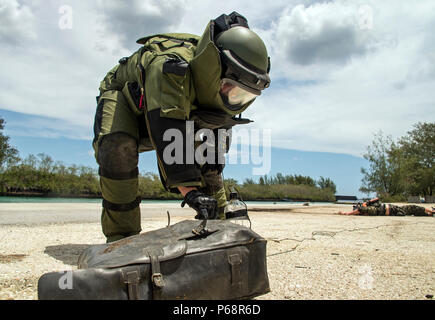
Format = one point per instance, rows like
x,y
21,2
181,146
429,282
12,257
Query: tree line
x,y
402,168
40,175
286,187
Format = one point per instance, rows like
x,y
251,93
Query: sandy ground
x,y
312,253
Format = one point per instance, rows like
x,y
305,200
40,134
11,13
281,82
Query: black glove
x,y
206,206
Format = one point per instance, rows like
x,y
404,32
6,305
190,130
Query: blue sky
x,y
342,70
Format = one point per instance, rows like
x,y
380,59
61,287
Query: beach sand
x,y
312,253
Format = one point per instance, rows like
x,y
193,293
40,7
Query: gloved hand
x,y
205,206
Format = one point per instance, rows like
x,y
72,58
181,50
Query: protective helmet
x,y
244,58
230,67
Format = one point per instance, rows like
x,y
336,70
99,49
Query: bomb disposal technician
x,y
171,80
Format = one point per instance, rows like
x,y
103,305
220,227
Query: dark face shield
x,y
235,95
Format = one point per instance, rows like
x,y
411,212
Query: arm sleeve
x,y
169,99
174,170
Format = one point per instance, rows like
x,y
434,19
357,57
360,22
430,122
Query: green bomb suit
x,y
170,79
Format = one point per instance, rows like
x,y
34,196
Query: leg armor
x,y
116,151
214,187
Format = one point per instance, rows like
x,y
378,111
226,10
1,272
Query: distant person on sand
x,y
375,208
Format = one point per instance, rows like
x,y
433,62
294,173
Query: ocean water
x,y
86,200
46,200
63,200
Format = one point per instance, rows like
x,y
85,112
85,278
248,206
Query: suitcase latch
x,y
235,262
156,275
157,279
132,280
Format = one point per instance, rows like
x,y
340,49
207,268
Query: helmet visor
x,y
236,94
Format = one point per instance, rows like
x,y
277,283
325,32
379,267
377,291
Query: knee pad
x,y
118,156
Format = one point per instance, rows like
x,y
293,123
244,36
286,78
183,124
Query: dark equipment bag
x,y
225,261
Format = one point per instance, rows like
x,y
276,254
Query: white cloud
x,y
16,23
131,20
379,80
321,33
333,83
31,126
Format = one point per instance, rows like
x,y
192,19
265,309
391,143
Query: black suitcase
x,y
225,261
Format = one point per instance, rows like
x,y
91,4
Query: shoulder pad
x,y
178,67
179,36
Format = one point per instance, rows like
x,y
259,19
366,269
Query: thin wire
x,y
169,218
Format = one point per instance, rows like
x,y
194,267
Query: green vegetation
x,y
282,187
8,154
403,168
40,175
